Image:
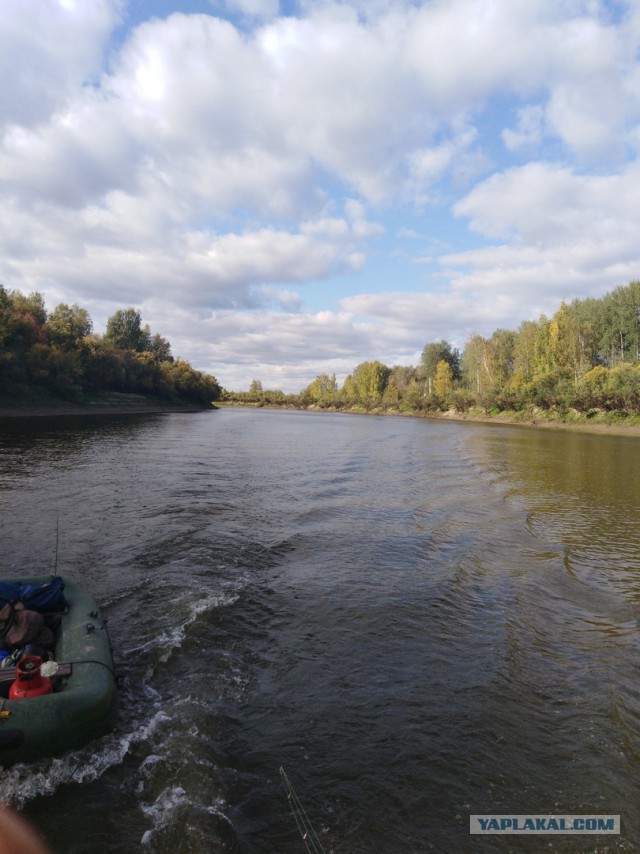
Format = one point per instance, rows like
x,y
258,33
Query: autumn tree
x,y
435,352
443,380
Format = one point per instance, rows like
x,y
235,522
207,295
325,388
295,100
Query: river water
x,y
417,620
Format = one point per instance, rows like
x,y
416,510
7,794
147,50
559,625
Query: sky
x,y
291,188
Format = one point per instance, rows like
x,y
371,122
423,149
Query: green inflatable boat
x,y
53,706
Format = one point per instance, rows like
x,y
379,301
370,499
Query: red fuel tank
x,y
29,682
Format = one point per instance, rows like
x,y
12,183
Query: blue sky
x,y
291,188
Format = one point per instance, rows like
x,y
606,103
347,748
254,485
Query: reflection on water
x,y
417,620
583,491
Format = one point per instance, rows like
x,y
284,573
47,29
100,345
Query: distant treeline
x,y
585,358
58,354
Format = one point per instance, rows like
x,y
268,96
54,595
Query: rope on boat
x,y
309,836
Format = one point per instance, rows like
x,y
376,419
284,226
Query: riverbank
x,y
604,423
601,423
114,403
108,404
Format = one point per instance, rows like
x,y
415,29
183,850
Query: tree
x,y
571,342
391,396
370,380
22,321
623,387
592,388
32,305
256,392
476,363
69,325
524,355
403,376
160,348
323,389
189,383
443,380
502,344
619,339
124,330
348,393
435,352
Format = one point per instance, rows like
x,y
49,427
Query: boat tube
x,y
81,704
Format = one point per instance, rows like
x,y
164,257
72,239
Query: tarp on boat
x,y
46,598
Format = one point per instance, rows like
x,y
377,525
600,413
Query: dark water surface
x,y
417,620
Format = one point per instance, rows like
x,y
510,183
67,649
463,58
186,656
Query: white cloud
x,y
237,174
540,204
49,50
566,235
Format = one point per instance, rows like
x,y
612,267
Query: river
x,y
416,620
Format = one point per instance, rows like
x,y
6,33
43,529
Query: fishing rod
x,y
309,836
55,565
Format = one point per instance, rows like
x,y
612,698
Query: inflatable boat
x,y
60,700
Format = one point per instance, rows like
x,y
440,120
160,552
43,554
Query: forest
x,y
583,360
58,355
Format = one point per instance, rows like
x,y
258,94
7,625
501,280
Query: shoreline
x,y
596,427
124,404
121,404
534,421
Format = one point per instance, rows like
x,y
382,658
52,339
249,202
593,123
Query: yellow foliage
x,y
443,381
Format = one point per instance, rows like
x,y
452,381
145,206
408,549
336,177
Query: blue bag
x,y
46,598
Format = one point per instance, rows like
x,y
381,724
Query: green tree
x,y
503,345
370,380
348,392
68,325
125,331
402,376
619,328
160,348
524,355
571,342
432,354
592,389
256,392
29,305
477,364
323,389
623,387
189,383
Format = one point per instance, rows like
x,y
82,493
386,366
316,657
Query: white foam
x,y
169,641
22,783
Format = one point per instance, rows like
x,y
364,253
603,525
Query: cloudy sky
x,y
290,188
